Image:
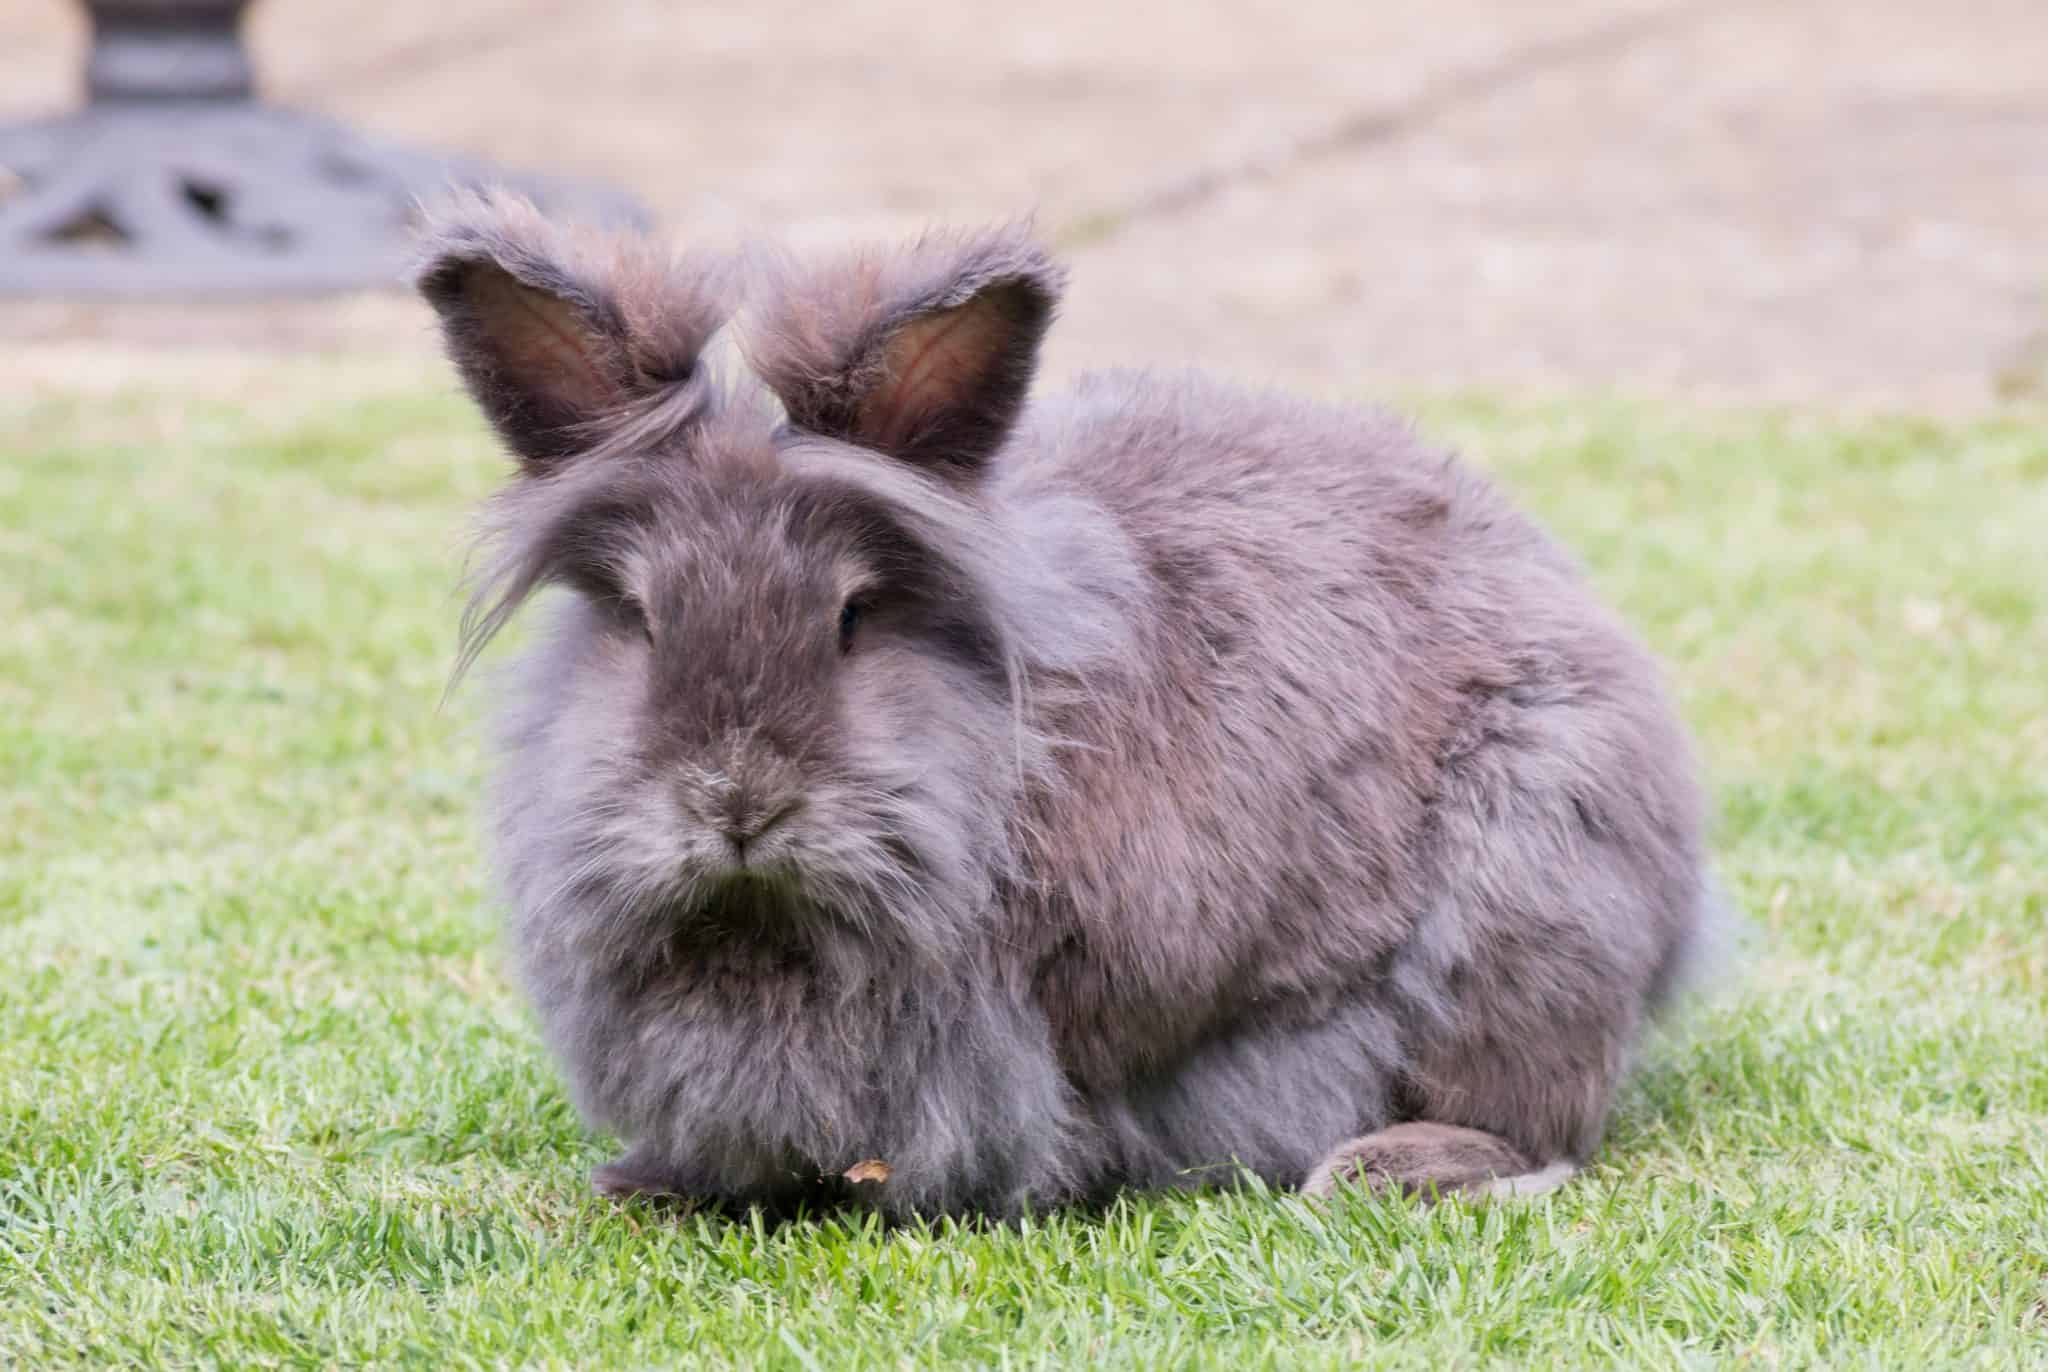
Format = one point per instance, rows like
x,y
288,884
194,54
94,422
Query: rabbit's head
x,y
782,691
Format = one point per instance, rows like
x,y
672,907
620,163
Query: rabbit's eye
x,y
849,620
635,616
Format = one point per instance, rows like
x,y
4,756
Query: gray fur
x,y
1210,778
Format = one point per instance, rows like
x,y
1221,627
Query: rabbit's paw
x,y
1431,1160
641,1172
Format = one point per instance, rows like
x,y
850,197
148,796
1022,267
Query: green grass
x,y
267,1098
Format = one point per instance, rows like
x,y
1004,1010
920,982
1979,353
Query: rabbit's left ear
x,y
925,354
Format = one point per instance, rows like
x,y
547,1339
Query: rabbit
x,y
1006,801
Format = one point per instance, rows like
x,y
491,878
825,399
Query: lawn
x,y
267,1098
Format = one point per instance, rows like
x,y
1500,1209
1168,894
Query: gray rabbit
x,y
1010,800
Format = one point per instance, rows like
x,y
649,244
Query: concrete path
x,y
1842,200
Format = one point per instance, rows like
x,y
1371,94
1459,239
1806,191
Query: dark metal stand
x,y
176,180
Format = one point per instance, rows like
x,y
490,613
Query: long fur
x,y
1192,780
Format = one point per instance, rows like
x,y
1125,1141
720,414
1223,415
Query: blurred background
x,y
1816,200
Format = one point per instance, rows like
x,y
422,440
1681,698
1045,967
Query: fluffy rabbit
x,y
1037,797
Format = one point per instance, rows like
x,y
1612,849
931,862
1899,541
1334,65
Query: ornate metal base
x,y
210,197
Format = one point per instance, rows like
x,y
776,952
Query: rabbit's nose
x,y
745,820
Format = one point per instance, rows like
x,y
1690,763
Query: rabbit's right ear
x,y
554,332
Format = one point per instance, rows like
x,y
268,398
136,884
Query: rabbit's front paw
x,y
641,1172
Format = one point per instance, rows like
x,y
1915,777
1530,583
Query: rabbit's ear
x,y
925,354
554,332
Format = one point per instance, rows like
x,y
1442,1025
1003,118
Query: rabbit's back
x,y
1370,706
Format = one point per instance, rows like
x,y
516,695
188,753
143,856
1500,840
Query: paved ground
x,y
1835,199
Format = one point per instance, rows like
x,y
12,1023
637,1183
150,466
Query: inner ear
x,y
925,353
949,382
544,354
560,332
549,356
